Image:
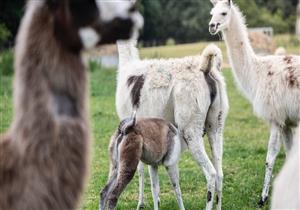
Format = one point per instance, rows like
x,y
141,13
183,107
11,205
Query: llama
x,y
44,155
189,92
286,193
150,140
271,83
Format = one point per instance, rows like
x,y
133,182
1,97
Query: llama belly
x,y
152,157
282,111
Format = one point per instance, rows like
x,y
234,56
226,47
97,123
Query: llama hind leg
x,y
154,185
141,203
130,154
125,175
216,142
107,190
113,172
273,150
196,146
173,173
287,139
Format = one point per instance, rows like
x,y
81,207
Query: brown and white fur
x,y
190,92
150,140
44,155
270,83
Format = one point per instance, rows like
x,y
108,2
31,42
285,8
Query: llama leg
x,y
216,143
287,139
273,150
154,185
196,146
118,188
174,177
113,172
130,153
141,203
107,190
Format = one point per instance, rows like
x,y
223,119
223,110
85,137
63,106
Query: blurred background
x,y
182,21
174,22
174,28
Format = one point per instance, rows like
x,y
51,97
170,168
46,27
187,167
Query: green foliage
x,y
260,15
6,63
4,34
187,21
170,42
94,65
10,15
183,20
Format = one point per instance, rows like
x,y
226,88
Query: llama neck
x,y
241,54
50,81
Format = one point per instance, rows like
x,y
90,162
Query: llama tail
x,y
128,124
127,51
125,127
211,57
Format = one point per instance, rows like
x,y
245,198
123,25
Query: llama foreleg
x,y
173,173
273,150
154,185
141,203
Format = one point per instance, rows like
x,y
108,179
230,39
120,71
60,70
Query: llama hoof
x,y
140,206
262,202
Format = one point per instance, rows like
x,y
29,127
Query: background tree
x,y
183,21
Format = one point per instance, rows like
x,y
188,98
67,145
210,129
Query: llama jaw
x,y
213,31
214,28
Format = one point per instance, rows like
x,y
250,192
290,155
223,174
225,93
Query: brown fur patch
x,y
212,85
138,83
291,78
288,59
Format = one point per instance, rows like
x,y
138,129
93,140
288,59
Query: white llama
x,y
189,92
271,83
286,192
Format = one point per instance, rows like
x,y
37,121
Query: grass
x,y
244,154
244,149
290,42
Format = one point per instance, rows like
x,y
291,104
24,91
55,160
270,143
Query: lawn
x,y
244,154
244,149
289,42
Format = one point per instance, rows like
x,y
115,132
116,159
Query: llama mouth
x,y
213,31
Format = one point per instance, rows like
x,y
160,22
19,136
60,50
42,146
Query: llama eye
x,y
224,14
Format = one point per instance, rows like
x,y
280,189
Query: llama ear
x,y
229,2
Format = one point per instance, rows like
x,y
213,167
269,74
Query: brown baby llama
x,y
150,140
44,155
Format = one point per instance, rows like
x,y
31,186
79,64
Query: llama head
x,y
221,14
88,23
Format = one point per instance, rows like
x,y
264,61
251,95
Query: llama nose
x,y
212,28
212,25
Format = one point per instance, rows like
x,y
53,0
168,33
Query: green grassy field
x,y
289,42
244,149
244,152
